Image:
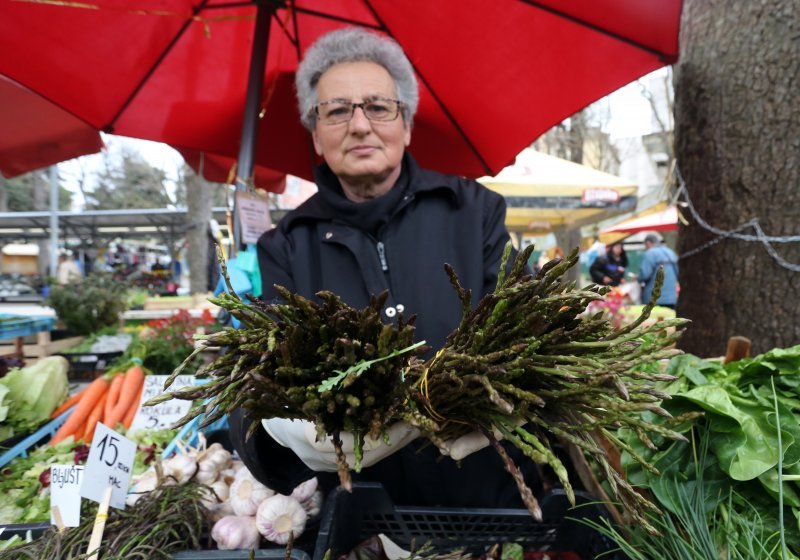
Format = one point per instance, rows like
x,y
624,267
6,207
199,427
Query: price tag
x,y
65,492
162,415
253,211
110,463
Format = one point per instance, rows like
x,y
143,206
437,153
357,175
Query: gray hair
x,y
353,44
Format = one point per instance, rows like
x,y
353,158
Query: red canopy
x,y
664,220
494,75
218,169
35,133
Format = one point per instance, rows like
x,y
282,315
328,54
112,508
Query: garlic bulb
x,y
215,493
218,456
228,475
232,533
218,511
305,490
246,493
141,485
313,505
280,517
207,472
179,469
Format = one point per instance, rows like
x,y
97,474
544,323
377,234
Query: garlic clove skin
x,y
305,490
246,493
313,505
218,511
235,532
214,494
280,517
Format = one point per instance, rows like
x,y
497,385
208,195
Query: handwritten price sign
x,y
65,492
162,415
110,463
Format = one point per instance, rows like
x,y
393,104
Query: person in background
x,y
659,255
608,269
67,271
380,222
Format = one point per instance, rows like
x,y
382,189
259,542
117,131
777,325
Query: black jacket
x,y
609,265
438,219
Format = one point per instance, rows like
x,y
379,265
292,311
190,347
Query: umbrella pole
x,y
255,83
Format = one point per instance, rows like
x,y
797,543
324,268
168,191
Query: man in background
x,y
657,255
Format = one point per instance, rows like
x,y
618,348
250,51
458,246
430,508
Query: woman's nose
x,y
359,121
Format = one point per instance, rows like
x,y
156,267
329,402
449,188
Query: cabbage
x,y
28,396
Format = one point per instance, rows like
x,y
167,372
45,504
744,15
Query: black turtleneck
x,y
368,216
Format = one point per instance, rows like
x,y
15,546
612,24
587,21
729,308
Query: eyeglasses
x,y
377,109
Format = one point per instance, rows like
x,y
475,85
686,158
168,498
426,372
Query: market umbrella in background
x,y
662,220
544,193
35,133
494,75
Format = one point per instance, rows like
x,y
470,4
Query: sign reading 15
x,y
108,443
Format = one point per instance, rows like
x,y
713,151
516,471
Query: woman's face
x,y
360,150
616,249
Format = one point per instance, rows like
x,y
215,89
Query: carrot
x,y
134,378
131,413
68,403
113,394
95,416
77,419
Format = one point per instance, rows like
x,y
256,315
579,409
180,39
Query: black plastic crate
x,y
350,518
86,365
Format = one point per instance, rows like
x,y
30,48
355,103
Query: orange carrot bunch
x,y
111,400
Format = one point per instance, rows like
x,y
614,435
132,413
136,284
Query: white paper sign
x,y
110,463
254,216
65,492
162,415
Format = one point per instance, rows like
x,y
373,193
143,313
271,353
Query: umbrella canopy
x,y
664,220
494,75
544,192
35,133
219,169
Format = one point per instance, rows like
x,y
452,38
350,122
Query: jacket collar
x,y
421,181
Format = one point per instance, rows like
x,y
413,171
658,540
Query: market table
x,y
17,327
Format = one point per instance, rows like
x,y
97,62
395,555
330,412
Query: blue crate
x,y
13,326
47,431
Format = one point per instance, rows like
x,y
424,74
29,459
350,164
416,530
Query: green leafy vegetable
x,y
31,394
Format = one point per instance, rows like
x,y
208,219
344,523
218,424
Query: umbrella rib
x,y
664,57
445,110
341,19
109,128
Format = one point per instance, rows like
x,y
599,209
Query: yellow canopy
x,y
545,192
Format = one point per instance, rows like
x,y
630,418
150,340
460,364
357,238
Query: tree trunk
x,y
199,199
737,114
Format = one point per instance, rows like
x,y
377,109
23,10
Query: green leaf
x,y
359,368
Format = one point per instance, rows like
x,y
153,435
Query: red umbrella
x,y
35,133
494,75
218,169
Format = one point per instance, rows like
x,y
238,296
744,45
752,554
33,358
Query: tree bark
x,y
199,199
737,109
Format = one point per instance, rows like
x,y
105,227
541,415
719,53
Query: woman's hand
x,y
301,437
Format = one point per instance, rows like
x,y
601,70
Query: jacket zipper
x,y
382,256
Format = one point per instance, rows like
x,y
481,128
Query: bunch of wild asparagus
x,y
306,360
525,363
528,353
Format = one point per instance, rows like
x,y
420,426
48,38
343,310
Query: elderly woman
x,y
380,222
